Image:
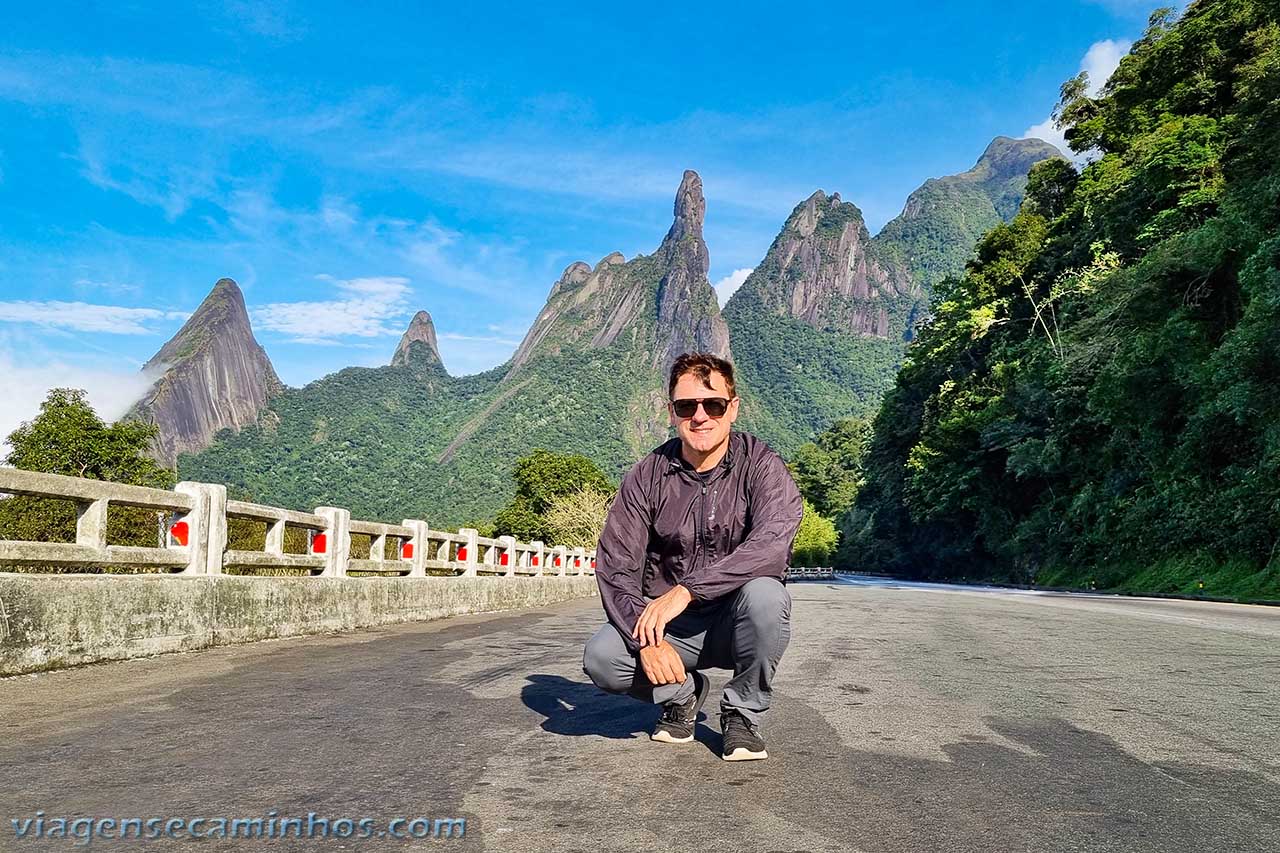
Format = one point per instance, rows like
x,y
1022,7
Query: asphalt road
x,y
906,719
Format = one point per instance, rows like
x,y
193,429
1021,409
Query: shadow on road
x,y
577,708
580,708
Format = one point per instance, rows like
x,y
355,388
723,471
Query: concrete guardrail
x,y
194,537
202,593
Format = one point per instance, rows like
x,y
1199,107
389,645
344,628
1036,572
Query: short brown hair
x,y
700,364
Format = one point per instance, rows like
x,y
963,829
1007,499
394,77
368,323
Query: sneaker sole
x,y
744,754
667,737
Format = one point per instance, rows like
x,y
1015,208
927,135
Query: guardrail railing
x,y
194,536
811,573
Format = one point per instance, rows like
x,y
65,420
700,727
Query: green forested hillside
x,y
1098,398
943,219
810,378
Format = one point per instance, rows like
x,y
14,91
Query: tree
x,y
577,519
519,520
828,470
67,437
816,539
541,478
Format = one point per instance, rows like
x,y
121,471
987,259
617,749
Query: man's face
x,y
700,431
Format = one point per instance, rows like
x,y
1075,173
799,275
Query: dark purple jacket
x,y
667,527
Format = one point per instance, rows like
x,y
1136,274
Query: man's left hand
x,y
653,621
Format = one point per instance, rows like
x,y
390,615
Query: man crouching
x,y
691,564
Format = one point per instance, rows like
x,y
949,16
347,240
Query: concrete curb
x,y
54,621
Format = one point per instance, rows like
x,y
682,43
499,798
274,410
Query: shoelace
x,y
673,713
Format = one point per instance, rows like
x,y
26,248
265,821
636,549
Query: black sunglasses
x,y
715,407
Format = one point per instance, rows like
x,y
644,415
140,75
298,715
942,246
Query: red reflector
x,y
317,543
593,564
557,561
406,551
462,553
535,561
504,559
577,564
180,532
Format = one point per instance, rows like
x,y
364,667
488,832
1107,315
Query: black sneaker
x,y
741,740
679,718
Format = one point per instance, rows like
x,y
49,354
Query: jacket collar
x,y
676,461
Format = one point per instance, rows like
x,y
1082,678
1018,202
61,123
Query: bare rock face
x,y
212,375
824,270
688,311
418,347
661,303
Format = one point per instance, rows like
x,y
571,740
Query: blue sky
x,y
349,165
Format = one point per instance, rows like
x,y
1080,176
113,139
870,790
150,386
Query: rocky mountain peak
x,y
222,312
614,302
943,218
212,375
690,212
418,347
688,311
823,270
1007,158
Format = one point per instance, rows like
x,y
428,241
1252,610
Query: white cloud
x,y
726,286
85,317
364,308
1100,62
24,387
113,287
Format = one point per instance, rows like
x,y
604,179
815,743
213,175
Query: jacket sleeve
x,y
776,508
621,554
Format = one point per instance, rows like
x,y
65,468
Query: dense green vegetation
x,y
1096,399
810,378
67,437
828,470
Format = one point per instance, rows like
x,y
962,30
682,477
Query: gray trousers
x,y
746,631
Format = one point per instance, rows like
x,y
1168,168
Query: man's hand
x,y
653,621
662,664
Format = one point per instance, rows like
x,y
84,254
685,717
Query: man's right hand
x,y
662,664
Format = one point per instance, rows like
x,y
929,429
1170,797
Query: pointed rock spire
x,y
690,212
688,311
418,346
210,376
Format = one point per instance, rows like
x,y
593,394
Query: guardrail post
x,y
538,557
417,548
579,561
560,560
91,524
507,554
335,542
378,548
469,559
275,538
206,532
